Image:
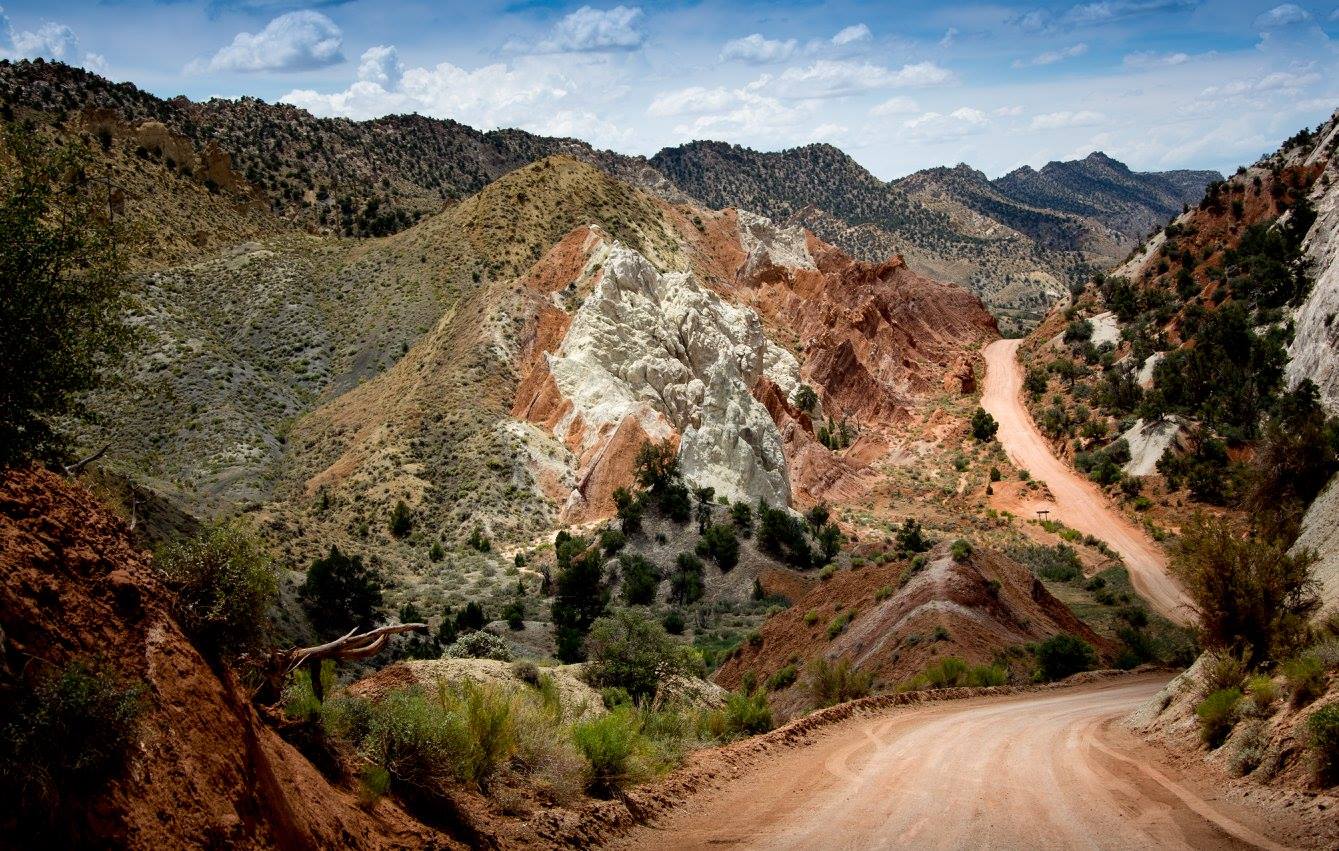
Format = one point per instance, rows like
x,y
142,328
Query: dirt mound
x,y
974,609
205,771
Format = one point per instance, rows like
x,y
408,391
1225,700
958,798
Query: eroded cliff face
x,y
621,352
1314,352
655,355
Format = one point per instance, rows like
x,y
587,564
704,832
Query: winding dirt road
x,y
1078,503
1041,770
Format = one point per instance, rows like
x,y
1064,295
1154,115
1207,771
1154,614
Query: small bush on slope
x,y
65,737
1216,714
831,684
1322,730
1062,655
225,585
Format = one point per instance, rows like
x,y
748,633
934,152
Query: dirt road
x,y
1041,770
1078,503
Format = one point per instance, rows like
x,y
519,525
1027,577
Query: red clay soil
x,y
894,638
206,771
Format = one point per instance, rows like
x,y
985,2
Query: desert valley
x,y
370,480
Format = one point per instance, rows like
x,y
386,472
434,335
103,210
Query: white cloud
x,y
589,30
691,101
381,65
1282,16
752,115
1057,120
1276,81
826,78
492,96
297,41
754,48
1051,57
50,40
898,105
852,34
1149,59
1007,111
950,35
935,126
1095,13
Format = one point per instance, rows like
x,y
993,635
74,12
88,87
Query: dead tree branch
x,y
349,647
72,470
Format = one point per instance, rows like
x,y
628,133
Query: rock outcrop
x,y
653,355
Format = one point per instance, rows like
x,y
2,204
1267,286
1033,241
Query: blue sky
x,y
899,86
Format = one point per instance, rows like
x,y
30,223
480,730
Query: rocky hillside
x,y
204,767
1105,190
330,175
1016,250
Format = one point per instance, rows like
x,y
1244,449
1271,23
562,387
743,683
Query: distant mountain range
x,y
1016,241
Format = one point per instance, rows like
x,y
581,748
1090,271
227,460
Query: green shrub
x,y
721,545
611,745
747,713
837,683
65,737
961,550
838,624
947,673
640,579
633,652
612,540
1252,595
827,572
1263,691
686,583
411,736
1216,714
1222,671
479,645
884,593
514,614
810,617
1063,655
225,584
783,678
1306,678
1322,731
341,593
401,520
983,425
673,622
984,676
1057,564
489,718
911,538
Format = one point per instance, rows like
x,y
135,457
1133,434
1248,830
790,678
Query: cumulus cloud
x,y
297,41
1057,120
1007,111
899,105
852,34
934,126
381,65
756,49
691,101
1051,57
1149,59
490,96
589,30
828,78
50,40
1282,15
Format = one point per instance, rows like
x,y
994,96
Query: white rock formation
x,y
1145,374
1320,532
767,244
1314,352
669,352
1148,442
